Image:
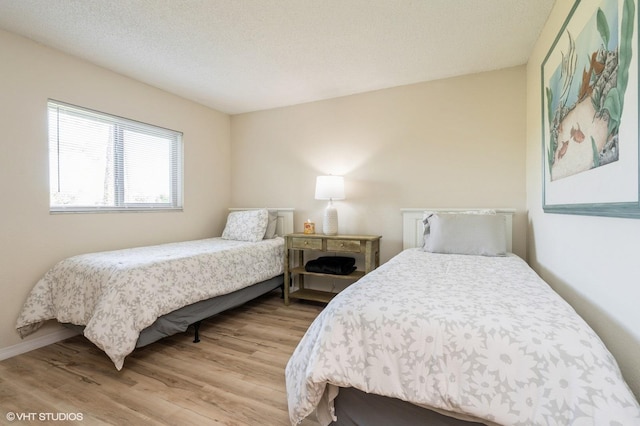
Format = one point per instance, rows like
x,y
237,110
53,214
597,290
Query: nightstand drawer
x,y
306,243
343,245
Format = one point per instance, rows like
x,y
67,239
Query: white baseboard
x,y
38,342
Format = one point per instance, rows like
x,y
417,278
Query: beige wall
x,y
451,143
32,240
591,261
459,142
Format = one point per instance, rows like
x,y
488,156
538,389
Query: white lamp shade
x,y
330,188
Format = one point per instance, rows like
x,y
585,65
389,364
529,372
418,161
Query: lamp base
x,y
330,222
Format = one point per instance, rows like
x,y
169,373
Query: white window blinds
x,y
102,162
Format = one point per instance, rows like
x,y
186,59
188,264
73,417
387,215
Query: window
x,y
100,162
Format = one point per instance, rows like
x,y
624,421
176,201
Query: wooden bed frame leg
x,y
196,327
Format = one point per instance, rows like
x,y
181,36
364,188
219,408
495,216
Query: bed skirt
x,y
179,320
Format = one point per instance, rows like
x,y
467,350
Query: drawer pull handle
x,y
341,244
306,242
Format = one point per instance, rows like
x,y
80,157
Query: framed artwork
x,y
591,160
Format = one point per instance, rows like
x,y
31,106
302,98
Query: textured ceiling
x,y
245,55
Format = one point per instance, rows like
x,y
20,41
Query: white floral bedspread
x,y
479,337
117,294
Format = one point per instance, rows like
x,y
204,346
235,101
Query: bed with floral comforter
x,y
478,338
117,294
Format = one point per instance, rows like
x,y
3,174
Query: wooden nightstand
x,y
296,244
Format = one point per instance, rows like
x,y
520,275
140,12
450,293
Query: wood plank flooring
x,y
234,376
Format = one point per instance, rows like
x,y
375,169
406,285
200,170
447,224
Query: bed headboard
x,y
413,228
284,225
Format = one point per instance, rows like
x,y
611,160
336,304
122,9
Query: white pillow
x,y
271,225
428,213
246,225
477,234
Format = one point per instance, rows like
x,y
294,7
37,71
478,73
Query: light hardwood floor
x,y
234,376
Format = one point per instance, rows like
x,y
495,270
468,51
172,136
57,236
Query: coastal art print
x,y
590,112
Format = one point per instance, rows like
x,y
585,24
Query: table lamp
x,y
330,188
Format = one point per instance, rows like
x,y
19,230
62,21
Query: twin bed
x,y
129,298
455,330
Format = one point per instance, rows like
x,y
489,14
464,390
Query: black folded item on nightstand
x,y
337,265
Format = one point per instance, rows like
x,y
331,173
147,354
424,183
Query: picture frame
x,y
590,147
